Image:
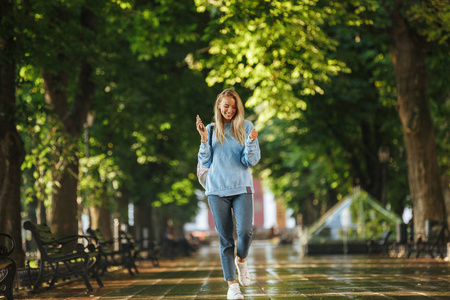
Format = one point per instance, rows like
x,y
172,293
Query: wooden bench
x,y
140,249
110,257
435,242
7,266
381,244
59,259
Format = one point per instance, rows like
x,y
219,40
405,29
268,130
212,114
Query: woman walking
x,y
233,149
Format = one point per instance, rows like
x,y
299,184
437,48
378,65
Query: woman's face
x,y
227,108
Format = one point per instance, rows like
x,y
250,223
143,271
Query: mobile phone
x,y
201,126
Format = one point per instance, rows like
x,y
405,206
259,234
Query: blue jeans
x,y
221,208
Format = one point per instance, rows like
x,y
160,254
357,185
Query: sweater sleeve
x,y
205,151
251,154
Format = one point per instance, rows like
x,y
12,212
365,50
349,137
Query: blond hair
x,y
237,128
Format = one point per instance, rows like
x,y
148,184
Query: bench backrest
x,y
44,238
385,235
96,233
436,234
105,245
6,245
127,238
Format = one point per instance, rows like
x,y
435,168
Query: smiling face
x,y
227,107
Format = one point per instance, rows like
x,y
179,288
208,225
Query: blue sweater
x,y
229,164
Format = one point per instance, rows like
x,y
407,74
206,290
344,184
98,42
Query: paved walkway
x,y
278,273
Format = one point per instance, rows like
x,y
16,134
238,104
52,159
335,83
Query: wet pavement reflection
x,y
278,272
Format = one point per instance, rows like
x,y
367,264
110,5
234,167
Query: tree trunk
x,y
101,219
64,213
30,243
310,212
445,183
64,206
372,182
122,206
408,55
12,151
64,197
143,221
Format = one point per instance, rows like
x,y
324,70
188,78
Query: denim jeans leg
x,y
223,219
243,213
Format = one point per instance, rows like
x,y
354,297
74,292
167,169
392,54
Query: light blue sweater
x,y
229,164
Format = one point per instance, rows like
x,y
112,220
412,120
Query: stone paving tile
x,y
277,273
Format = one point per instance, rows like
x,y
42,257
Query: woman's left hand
x,y
253,134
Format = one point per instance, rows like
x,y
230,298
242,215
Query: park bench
x,y
109,257
140,249
7,266
381,244
181,247
435,242
27,275
65,257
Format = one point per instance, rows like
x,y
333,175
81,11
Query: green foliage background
x,y
317,75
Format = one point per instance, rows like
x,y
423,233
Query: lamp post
x,y
383,157
346,223
87,126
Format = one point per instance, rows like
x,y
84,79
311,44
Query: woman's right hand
x,y
202,130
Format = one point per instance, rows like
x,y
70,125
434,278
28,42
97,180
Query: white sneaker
x,y
244,275
234,292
